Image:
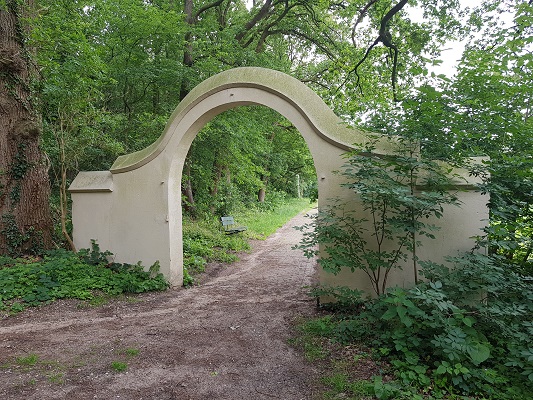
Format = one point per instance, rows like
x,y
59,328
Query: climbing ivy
x,y
18,242
18,170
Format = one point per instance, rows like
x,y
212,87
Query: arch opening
x,y
245,156
209,108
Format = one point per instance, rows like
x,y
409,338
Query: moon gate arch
x,y
134,209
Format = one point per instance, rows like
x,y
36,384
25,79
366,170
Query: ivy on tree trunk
x,y
25,223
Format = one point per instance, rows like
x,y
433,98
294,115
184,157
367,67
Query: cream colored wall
x,y
458,227
92,207
134,210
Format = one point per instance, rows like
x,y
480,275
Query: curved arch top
x,y
324,121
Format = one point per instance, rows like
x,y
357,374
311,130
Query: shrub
x,y
466,330
62,274
397,194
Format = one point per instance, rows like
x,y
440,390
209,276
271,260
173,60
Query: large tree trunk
x,y
25,223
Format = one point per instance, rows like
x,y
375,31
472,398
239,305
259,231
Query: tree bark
x,y
188,202
261,194
188,60
25,223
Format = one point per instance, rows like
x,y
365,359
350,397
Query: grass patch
x,y
310,338
340,385
34,365
263,223
132,352
347,370
204,241
28,361
56,378
125,355
119,366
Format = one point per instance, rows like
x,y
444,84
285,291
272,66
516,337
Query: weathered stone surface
x,y
92,181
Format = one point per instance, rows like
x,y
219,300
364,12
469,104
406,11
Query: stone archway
x,y
134,210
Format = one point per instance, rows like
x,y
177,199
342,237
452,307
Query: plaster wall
x,y
458,227
134,210
143,221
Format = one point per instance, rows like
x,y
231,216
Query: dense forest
x,y
90,80
84,81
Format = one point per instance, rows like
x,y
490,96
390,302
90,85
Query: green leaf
x,y
468,321
389,314
478,353
442,369
402,313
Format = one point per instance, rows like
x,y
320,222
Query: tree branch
x,y
266,31
263,12
384,37
207,7
362,13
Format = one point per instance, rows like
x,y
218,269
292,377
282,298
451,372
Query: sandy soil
x,y
224,339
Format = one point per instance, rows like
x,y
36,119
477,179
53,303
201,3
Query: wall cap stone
x,y
92,181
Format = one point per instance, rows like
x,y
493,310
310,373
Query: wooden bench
x,y
229,226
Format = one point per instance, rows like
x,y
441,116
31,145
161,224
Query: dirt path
x,y
225,339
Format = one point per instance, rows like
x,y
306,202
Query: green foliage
x,y
119,366
109,85
461,117
341,385
205,242
310,336
17,242
17,172
339,363
131,352
346,300
464,331
398,195
241,152
265,219
61,274
94,256
29,360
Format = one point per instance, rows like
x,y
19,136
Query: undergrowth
x,y
464,333
204,240
26,282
